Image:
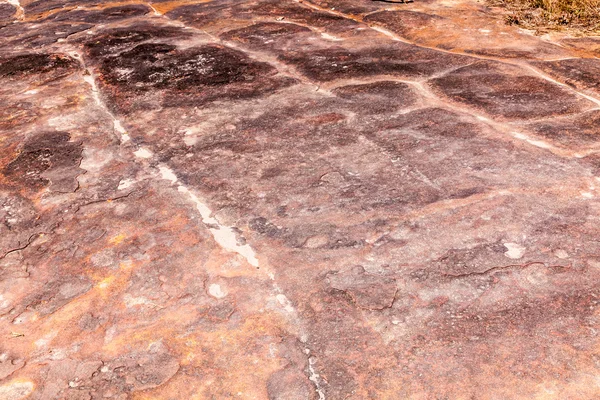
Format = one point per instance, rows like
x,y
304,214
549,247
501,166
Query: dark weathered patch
x,y
17,213
13,114
35,36
57,293
40,6
507,92
36,63
400,60
579,130
192,76
431,122
351,6
472,260
290,384
368,291
504,52
109,44
7,12
103,15
204,13
267,35
403,21
377,97
590,44
581,73
213,12
162,66
47,158
519,314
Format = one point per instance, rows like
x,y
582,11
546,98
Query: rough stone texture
x,y
581,73
322,199
507,92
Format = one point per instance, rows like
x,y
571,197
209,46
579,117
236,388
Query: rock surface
x,y
280,199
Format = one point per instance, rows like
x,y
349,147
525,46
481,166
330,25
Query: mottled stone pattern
x,y
295,199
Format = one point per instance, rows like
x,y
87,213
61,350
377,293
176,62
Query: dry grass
x,y
543,15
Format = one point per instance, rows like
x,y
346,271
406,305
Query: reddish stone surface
x,y
263,199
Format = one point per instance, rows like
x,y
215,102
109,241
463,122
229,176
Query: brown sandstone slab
x,y
579,131
581,73
399,60
507,92
211,13
225,211
151,75
109,14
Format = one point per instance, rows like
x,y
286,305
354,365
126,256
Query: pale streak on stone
x,y
330,37
119,128
285,303
45,340
537,143
314,378
90,80
154,10
225,236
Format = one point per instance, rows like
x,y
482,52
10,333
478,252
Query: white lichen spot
x,y
131,301
190,140
125,183
587,195
143,153
514,250
562,254
215,291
